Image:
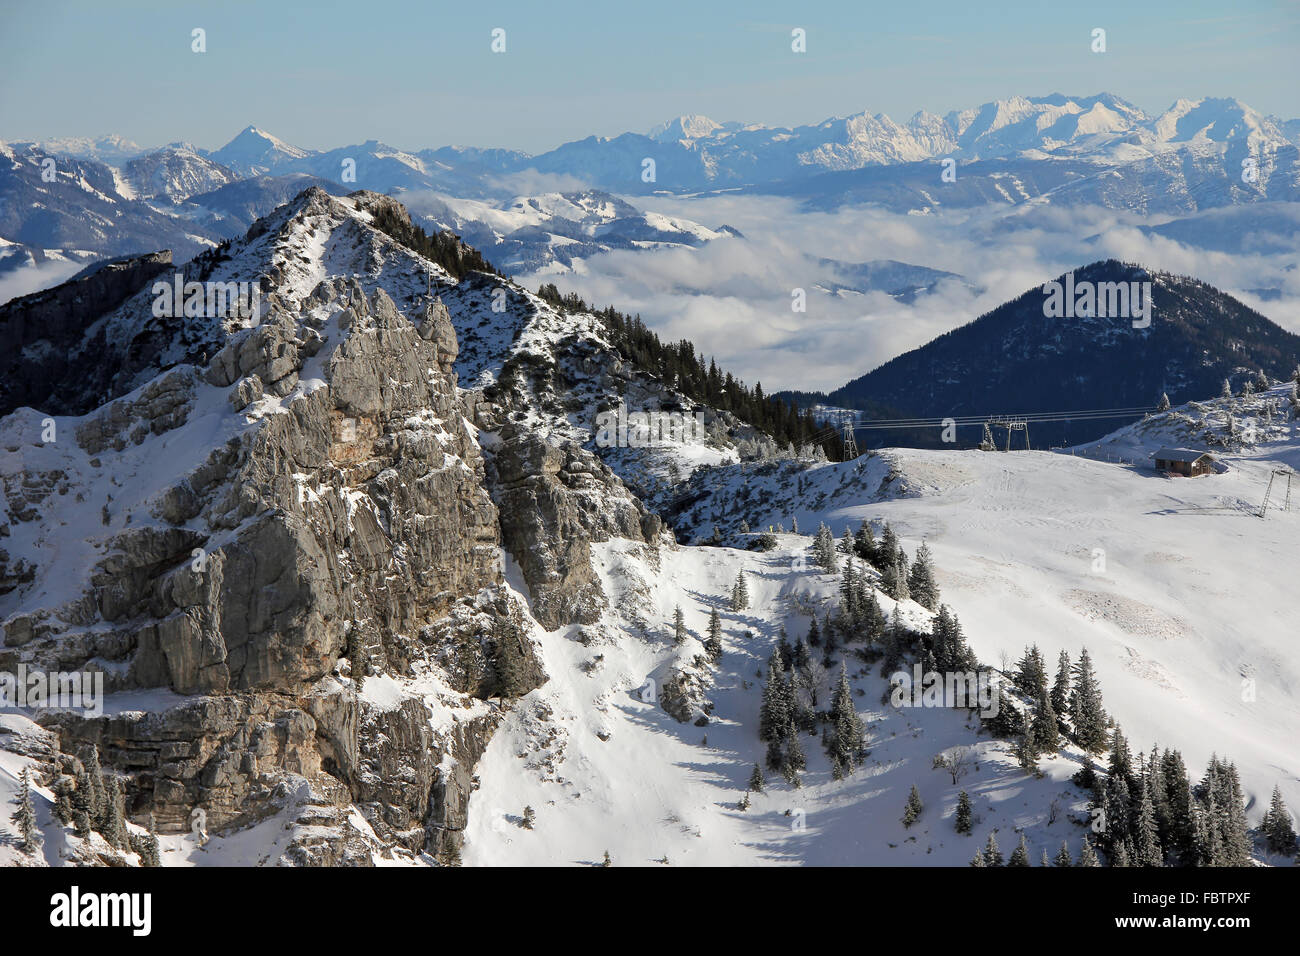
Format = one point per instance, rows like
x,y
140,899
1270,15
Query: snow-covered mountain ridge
x,y
364,585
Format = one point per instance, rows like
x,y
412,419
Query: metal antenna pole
x,y
850,443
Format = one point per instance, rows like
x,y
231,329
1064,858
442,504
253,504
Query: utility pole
x,y
1286,506
850,443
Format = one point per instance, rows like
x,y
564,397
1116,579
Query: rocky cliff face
x,y
310,564
265,538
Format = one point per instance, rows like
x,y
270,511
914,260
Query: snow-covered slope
x,y
1183,595
554,232
606,769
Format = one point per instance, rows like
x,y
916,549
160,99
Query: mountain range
x,y
1090,150
365,586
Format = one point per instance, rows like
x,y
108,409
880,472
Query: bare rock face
x,y
288,550
337,533
554,502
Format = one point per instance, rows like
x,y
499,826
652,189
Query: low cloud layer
x,y
32,278
733,298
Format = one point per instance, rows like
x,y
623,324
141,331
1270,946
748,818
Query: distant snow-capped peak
x,y
692,126
256,151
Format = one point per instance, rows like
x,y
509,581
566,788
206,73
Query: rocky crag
x,y
284,539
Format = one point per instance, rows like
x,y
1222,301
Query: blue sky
x,y
421,74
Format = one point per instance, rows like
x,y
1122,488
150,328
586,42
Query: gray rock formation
x,y
350,522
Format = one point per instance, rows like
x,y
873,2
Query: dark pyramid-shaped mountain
x,y
1020,358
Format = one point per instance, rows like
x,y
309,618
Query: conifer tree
x,y
151,855
775,756
1121,760
1044,860
1088,856
978,859
679,626
845,737
920,580
1047,737
114,828
713,643
756,780
1147,838
740,593
24,818
1120,855
889,579
849,592
1020,855
95,792
962,822
1087,715
887,551
530,816
864,543
914,807
1155,780
794,757
1063,857
1061,687
814,633
992,855
775,710
1117,806
1026,754
873,618
63,801
1181,837
1277,826
901,591
1031,675
824,548
1228,838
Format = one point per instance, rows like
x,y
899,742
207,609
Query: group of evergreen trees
x,y
1147,811
992,856
88,800
898,579
1072,708
678,364
785,712
1152,815
444,247
790,707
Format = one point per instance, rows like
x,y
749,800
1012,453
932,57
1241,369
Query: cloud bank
x,y
733,298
